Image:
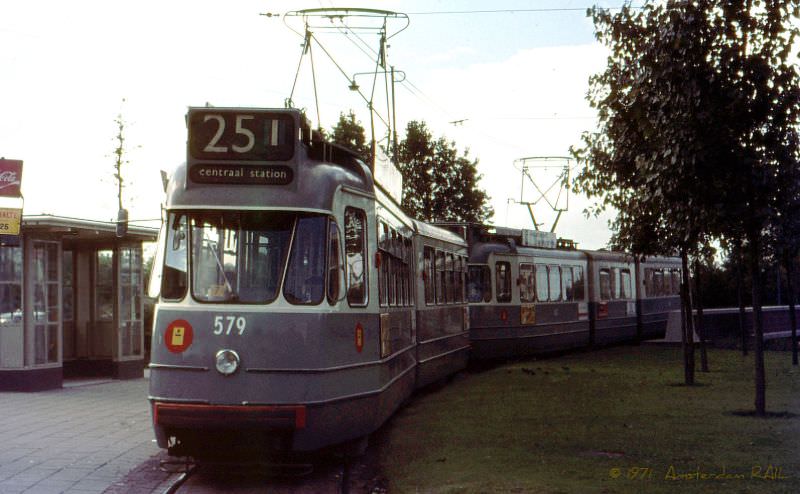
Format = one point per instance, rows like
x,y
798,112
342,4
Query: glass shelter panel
x,y
130,301
11,310
46,315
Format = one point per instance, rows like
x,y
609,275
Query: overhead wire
x,y
515,11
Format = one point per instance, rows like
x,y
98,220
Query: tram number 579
x,y
228,324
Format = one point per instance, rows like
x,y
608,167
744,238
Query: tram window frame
x,y
335,263
568,283
410,270
227,238
391,269
429,274
604,283
625,284
615,284
578,283
450,295
658,282
357,293
541,282
307,249
460,279
527,280
441,279
648,282
502,273
554,282
479,283
676,283
175,270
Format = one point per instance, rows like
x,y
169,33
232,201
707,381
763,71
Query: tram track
x,y
325,476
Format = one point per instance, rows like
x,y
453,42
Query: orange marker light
x,y
359,337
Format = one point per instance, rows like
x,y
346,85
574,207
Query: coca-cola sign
x,y
10,178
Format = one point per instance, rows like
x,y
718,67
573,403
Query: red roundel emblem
x,y
178,336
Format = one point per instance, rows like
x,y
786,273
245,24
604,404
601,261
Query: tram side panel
x,y
612,297
442,314
527,302
659,293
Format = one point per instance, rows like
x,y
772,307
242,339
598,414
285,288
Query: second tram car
x,y
299,306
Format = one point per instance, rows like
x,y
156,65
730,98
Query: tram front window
x,y
305,277
239,256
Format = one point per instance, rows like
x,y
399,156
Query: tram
x,y
286,318
299,307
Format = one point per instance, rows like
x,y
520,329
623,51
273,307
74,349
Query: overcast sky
x,y
517,80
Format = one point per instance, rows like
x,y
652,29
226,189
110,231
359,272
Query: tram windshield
x,y
241,257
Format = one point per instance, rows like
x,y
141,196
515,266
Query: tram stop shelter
x,y
71,302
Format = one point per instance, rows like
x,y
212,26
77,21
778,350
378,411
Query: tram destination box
x,y
242,146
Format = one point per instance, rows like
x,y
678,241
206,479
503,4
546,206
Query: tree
x,y
348,132
698,109
439,184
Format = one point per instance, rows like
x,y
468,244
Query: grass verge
x,y
611,421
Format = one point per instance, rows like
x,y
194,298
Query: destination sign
x,y
240,135
241,174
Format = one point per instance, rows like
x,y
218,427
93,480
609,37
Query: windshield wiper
x,y
233,295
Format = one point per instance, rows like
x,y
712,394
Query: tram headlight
x,y
227,362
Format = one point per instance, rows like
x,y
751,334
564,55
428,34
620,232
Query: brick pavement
x,y
79,440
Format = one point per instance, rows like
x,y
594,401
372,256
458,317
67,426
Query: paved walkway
x,y
77,440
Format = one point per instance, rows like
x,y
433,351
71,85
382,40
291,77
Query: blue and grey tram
x,y
287,313
298,306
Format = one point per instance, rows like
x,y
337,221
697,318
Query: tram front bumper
x,y
209,417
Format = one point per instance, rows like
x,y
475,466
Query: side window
x,y
451,279
605,284
391,269
458,290
658,282
503,280
462,265
305,273
408,262
355,242
615,288
526,284
174,281
429,276
577,283
334,263
479,286
566,276
441,280
676,281
542,284
554,273
625,284
648,282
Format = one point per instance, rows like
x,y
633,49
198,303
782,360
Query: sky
x,y
516,77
